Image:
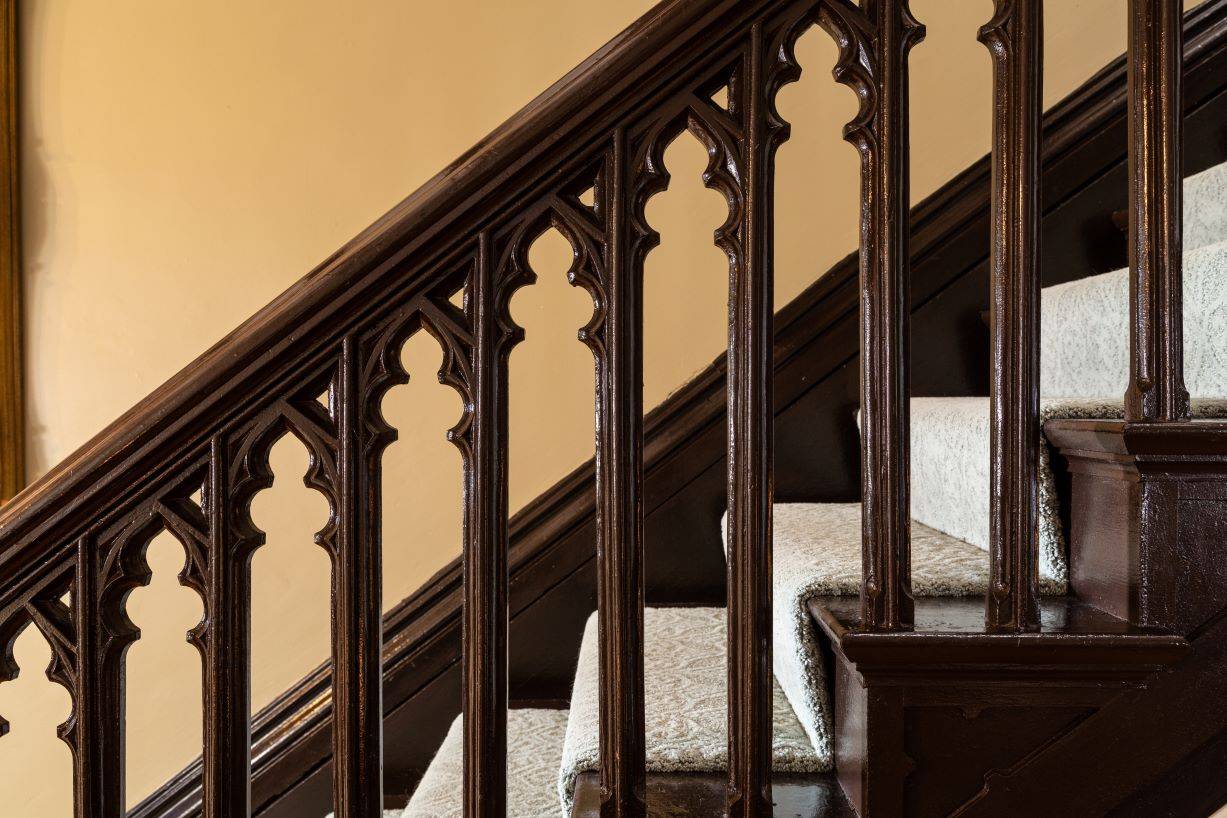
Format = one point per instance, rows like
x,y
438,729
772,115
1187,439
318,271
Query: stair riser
x,y
924,744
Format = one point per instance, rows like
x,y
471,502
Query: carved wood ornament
x,y
1014,37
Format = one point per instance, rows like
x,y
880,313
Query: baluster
x,y
97,727
619,478
1015,39
227,654
874,41
357,616
485,555
1156,389
750,476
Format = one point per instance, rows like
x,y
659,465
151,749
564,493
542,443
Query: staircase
x,y
816,579
1019,612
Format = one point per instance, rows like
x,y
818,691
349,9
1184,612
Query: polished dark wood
x,y
95,767
950,631
796,795
1015,38
874,41
357,607
1156,388
1088,770
1148,515
767,64
925,721
12,318
617,344
484,440
552,558
226,650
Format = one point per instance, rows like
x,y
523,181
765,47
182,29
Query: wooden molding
x,y
12,400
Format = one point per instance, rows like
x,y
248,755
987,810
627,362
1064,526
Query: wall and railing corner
x,y
12,396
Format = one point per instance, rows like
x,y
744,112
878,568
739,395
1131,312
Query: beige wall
x,y
185,162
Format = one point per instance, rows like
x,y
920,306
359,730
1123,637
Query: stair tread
x,y
685,701
796,795
952,631
534,750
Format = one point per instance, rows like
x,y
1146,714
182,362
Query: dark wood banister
x,y
83,528
315,310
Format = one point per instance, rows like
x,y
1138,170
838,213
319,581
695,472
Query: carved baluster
x,y
874,42
96,731
92,730
485,551
226,641
619,479
751,422
357,614
1015,39
1156,332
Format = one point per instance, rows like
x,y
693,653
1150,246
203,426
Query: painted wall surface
x,y
186,162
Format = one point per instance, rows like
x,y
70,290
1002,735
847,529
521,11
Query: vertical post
x,y
227,655
98,734
619,479
485,558
751,481
1156,363
1015,40
886,587
357,615
12,406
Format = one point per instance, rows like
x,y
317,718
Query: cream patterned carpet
x,y
685,702
534,748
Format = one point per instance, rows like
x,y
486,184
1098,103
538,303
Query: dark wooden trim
x,y
874,42
618,474
950,632
226,655
357,604
1149,505
814,795
12,395
926,722
1092,770
1015,38
751,436
1156,388
552,552
485,547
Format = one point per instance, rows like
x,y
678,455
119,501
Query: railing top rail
x,y
185,411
